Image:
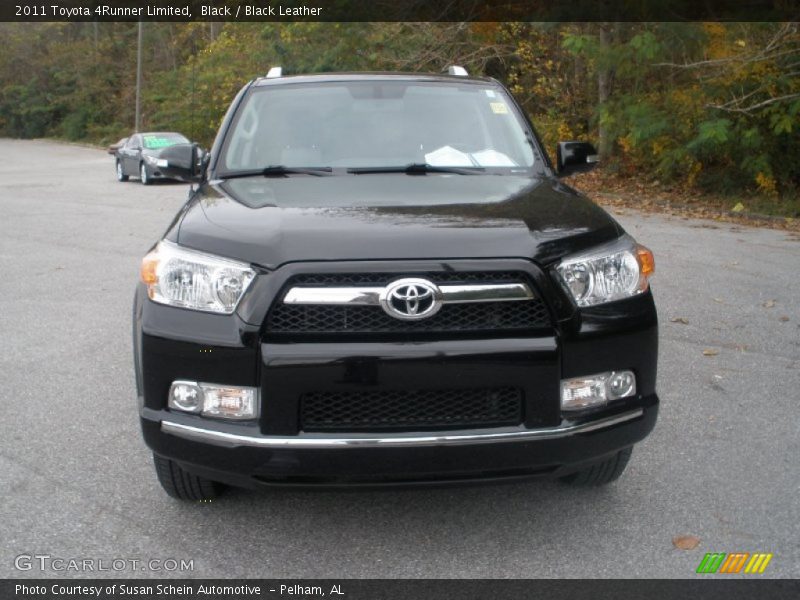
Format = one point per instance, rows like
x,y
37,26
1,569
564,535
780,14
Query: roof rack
x,y
457,71
274,72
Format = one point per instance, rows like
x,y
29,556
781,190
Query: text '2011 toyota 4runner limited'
x,y
380,279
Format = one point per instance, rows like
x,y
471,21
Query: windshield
x,y
360,125
154,141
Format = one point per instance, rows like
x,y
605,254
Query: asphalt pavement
x,y
78,482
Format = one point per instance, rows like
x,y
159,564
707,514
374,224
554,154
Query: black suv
x,y
381,279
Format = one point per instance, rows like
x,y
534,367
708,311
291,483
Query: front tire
x,y
601,473
143,175
181,484
120,172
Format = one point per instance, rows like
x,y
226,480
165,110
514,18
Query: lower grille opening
x,y
410,410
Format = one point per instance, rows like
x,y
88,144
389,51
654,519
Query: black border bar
x,y
397,10
703,587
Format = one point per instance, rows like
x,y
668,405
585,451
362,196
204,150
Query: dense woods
x,y
710,106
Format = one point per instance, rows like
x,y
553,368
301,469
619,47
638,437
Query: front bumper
x,y
172,343
253,460
154,172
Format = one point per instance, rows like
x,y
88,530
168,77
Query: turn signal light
x,y
147,272
647,262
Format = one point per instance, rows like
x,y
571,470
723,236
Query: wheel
x,y
601,473
183,485
120,173
144,176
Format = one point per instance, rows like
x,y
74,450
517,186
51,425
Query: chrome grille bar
x,y
370,296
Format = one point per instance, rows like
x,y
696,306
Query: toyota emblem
x,y
411,299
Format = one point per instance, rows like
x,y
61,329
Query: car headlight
x,y
155,161
612,272
190,279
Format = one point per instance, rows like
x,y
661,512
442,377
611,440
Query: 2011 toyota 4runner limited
x,y
380,279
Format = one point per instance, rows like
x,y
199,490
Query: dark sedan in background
x,y
139,156
112,148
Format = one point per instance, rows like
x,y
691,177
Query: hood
x,y
273,221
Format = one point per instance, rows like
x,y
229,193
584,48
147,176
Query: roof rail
x,y
458,71
274,72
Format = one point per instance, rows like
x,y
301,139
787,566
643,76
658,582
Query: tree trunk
x,y
605,145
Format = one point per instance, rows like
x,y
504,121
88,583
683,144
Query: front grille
x,y
483,316
381,410
456,318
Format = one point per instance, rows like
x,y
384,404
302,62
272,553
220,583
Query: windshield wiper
x,y
417,169
279,171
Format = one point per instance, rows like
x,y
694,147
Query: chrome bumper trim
x,y
370,296
322,441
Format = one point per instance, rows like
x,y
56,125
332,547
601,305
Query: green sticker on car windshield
x,y
154,141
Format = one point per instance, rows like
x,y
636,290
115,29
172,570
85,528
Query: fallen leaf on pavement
x,y
686,542
769,304
682,320
784,318
709,352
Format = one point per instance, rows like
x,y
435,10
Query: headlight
x,y
615,271
195,280
154,161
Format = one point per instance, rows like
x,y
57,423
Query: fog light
x,y
595,390
620,384
186,396
229,402
219,401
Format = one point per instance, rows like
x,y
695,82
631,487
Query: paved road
x,y
77,480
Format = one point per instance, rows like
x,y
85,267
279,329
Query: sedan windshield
x,y
155,141
363,127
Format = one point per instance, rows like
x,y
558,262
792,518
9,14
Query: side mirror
x,y
575,157
183,161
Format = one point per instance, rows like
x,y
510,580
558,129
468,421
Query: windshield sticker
x,y
447,156
154,141
490,93
499,108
